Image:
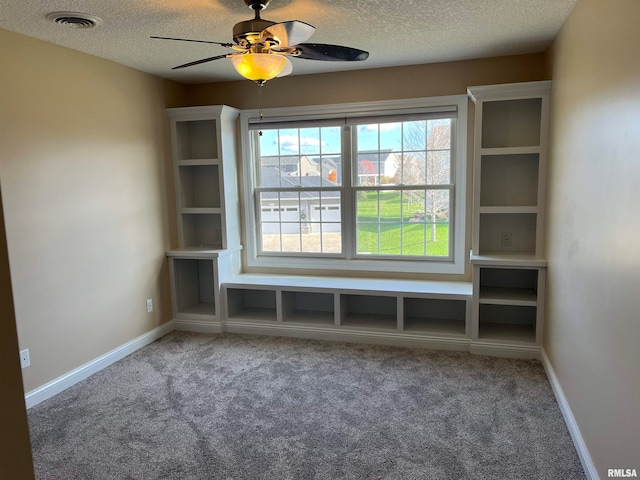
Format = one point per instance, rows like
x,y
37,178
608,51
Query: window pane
x,y
414,135
390,238
413,169
310,141
332,238
437,217
330,140
289,141
413,206
439,134
367,207
368,168
271,237
390,136
439,167
390,206
413,239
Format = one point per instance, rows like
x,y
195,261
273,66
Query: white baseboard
x,y
346,335
197,326
56,386
583,453
505,351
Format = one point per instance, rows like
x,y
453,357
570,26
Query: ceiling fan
x,y
261,47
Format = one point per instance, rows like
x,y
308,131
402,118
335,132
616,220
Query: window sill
x,y
359,265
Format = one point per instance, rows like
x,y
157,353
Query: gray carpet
x,y
195,406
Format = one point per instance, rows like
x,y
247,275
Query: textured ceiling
x,y
400,32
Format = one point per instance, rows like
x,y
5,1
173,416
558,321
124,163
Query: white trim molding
x,y
583,453
69,379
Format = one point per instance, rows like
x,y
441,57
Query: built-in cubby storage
x,y
509,323
195,286
199,186
520,228
434,316
204,156
316,308
393,312
511,123
195,138
509,180
251,304
205,176
195,276
369,311
507,254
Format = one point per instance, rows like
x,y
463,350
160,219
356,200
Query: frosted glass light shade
x,y
259,66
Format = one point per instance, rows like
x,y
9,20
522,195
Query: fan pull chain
x,y
260,104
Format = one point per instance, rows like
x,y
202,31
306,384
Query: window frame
x,y
348,260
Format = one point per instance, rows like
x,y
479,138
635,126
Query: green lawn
x,y
397,235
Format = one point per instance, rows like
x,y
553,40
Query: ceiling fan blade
x,y
289,33
198,62
323,51
288,68
196,41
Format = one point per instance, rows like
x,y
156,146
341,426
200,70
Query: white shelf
x,y
208,309
508,210
370,321
507,333
508,260
438,326
527,150
508,296
198,162
201,211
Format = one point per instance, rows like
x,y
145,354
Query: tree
x,y
426,161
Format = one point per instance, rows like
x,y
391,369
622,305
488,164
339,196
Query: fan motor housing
x,y
242,30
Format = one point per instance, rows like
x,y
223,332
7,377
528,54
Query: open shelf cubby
x,y
505,286
195,286
428,315
199,186
509,180
202,230
522,227
251,304
511,123
308,307
196,139
369,311
509,323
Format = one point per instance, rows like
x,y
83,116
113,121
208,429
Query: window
x,y
376,186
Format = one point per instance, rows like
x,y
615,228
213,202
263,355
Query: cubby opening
x,y
511,123
199,186
202,230
197,139
509,180
308,307
508,284
251,304
521,226
428,315
368,311
195,286
507,323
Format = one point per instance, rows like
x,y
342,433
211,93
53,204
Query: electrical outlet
x,y
505,239
24,358
149,305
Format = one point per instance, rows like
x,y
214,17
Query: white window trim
x,y
386,107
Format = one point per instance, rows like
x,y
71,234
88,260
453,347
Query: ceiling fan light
x,y
259,67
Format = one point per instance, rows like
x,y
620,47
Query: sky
x,y
326,140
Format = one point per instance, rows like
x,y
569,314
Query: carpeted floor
x,y
195,406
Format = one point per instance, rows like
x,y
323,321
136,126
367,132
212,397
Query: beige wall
x,y
15,447
593,316
415,81
85,171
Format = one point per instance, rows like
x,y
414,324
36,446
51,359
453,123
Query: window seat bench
x,y
412,313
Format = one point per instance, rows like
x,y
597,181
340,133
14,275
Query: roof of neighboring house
x,y
273,177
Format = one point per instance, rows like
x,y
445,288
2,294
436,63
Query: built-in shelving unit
x,y
396,312
510,148
204,156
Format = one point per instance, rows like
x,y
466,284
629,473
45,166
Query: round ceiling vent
x,y
74,19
